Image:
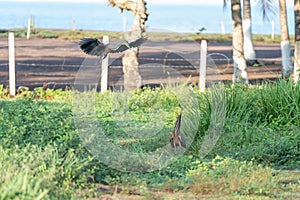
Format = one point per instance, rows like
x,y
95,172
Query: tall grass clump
x,y
262,123
240,105
280,104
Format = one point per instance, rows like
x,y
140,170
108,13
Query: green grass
x,y
57,33
229,176
78,34
43,157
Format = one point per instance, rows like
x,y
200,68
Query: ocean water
x,y
99,16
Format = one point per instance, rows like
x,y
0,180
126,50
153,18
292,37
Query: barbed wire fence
x,y
61,75
60,68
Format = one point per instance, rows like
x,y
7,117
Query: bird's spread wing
x,y
119,46
137,42
123,45
92,46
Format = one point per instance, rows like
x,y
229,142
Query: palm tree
x,y
268,6
132,77
287,63
297,40
247,30
239,61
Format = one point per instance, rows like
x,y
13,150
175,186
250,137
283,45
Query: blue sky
x,y
198,2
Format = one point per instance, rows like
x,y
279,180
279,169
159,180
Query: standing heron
x,y
92,46
177,138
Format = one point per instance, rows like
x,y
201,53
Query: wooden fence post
x,y
273,30
28,28
12,67
104,68
223,27
203,58
73,24
297,62
124,23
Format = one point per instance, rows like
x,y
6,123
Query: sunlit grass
x,y
157,36
42,155
229,176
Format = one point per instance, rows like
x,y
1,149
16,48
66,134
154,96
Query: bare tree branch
x,y
123,4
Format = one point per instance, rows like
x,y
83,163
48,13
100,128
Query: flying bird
x,y
177,138
94,47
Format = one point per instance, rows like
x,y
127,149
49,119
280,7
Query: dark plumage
x,y
94,47
177,138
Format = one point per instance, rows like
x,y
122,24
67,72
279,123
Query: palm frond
x,y
224,4
267,8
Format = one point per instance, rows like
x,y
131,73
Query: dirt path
x,y
57,62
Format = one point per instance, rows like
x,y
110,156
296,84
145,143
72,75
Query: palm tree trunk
x,y
247,29
287,63
297,40
132,77
240,73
